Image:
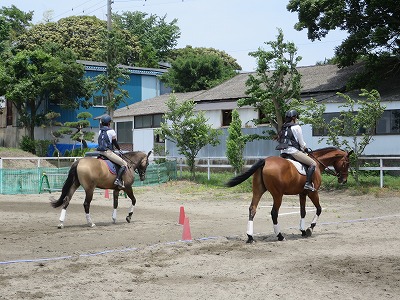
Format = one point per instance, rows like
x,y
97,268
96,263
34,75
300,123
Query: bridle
x,y
138,171
326,168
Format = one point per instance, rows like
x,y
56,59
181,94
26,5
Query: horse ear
x,y
149,154
350,152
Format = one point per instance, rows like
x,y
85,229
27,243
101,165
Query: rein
x,y
326,169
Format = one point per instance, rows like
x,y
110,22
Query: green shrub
x,y
27,144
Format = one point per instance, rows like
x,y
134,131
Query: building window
x,y
124,132
389,123
99,100
318,131
226,117
148,121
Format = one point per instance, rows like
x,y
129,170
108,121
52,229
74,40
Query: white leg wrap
x,y
314,220
277,230
88,219
62,216
250,229
131,209
114,214
302,224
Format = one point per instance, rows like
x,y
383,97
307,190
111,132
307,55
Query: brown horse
x,y
91,173
280,177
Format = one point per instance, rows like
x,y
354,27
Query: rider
x,y
107,141
296,146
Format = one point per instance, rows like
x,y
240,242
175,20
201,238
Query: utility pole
x,y
109,94
109,2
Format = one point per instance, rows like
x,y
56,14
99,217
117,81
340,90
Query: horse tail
x,y
71,179
242,177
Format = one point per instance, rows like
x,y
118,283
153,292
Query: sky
x,y
234,26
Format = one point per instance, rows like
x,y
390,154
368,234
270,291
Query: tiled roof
x,y
153,106
321,82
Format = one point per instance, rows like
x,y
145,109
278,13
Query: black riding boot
x,y
309,183
119,181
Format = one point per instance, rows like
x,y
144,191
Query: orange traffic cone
x,y
186,235
181,216
107,194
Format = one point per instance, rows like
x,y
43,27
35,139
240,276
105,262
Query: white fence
x,y
207,162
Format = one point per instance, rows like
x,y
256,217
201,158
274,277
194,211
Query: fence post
x,y
381,172
208,168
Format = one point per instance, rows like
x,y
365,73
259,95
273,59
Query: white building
x,y
318,82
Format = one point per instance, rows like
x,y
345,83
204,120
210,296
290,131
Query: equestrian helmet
x,y
292,114
106,119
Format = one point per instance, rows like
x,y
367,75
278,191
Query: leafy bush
x,y
27,144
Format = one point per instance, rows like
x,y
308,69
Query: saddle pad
x,y
300,167
112,167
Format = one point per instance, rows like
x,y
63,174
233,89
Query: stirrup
x,y
309,186
119,183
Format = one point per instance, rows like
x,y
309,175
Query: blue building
x,y
144,84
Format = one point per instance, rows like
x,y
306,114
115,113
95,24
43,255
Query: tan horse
x,y
90,173
280,177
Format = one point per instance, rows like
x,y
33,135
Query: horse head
x,y
341,166
142,166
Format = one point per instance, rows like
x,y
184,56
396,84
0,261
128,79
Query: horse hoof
x,y
114,221
303,233
92,225
308,232
281,237
128,219
60,226
250,239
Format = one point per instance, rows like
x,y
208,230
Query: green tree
x,y
194,71
156,36
13,23
80,134
84,35
51,121
373,26
111,82
31,79
235,143
229,61
354,127
275,87
188,130
17,21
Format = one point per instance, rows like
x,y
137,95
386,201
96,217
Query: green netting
x,y
39,180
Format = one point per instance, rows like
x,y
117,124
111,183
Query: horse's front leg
x,y
129,192
86,205
315,200
115,197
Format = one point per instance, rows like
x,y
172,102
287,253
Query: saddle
x,y
301,168
112,167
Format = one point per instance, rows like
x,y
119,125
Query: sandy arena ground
x,y
352,254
